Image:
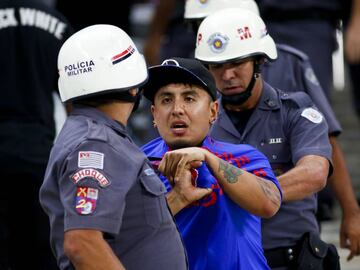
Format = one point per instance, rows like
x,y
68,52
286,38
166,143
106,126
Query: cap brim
x,y
160,76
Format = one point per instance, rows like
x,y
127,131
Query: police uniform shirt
x,y
285,127
31,35
271,5
292,72
97,178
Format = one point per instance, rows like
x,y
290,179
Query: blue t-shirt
x,y
217,232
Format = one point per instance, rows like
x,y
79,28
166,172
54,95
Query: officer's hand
x,y
350,234
175,162
184,192
352,42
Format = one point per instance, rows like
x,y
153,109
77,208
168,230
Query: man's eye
x,y
166,100
189,99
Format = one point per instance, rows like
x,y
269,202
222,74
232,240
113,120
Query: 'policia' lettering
x,y
32,17
79,68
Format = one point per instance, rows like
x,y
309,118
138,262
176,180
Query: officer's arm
x,y
352,37
340,183
255,194
307,177
87,250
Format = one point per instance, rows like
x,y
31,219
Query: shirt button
x,y
274,156
262,143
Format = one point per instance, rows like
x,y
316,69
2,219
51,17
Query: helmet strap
x,y
126,96
241,98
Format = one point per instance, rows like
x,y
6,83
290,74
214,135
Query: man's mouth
x,y
179,127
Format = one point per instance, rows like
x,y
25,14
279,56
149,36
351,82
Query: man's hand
x,y
175,162
184,192
350,234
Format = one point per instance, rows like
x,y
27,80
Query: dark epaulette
x,y
291,50
297,99
96,133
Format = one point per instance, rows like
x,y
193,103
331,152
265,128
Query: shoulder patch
x,y
92,174
312,115
91,159
86,199
293,51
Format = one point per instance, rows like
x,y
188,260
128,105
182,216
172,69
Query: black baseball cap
x,y
179,70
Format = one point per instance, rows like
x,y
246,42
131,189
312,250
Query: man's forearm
x,y
255,194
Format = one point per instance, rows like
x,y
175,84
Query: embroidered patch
x,y
86,199
312,115
91,159
91,173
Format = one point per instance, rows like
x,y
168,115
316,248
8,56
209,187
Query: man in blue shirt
x,y
222,230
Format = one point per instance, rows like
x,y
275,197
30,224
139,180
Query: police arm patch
x,y
86,199
91,159
312,115
90,174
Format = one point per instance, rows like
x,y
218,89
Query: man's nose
x,y
228,74
178,108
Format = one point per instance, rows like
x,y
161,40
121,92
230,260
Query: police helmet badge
x,y
203,1
218,42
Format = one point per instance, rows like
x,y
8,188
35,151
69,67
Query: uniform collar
x,y
269,99
99,117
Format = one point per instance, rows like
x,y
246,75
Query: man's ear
x,y
214,109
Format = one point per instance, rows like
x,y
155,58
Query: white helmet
x,y
199,9
233,34
98,59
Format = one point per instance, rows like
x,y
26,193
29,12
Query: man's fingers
x,y
202,192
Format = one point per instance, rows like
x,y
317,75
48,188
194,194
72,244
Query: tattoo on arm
x,y
231,172
268,191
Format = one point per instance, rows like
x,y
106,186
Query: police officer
x,y
31,35
309,26
287,128
300,76
106,205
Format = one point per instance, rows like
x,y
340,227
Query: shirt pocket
x,y
154,201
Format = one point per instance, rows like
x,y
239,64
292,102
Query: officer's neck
x,y
118,110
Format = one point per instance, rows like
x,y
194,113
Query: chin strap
x,y
126,96
239,99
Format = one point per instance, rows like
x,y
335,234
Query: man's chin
x,y
178,144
